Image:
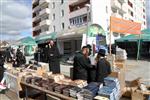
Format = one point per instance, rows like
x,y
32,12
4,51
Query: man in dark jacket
x,y
2,60
81,64
53,57
20,58
103,66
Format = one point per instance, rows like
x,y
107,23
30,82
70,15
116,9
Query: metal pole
x,y
139,44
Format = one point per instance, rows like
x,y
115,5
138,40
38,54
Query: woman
x,y
103,68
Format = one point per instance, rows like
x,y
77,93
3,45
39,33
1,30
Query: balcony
x,y
117,15
115,4
44,11
75,2
122,1
44,2
36,27
78,12
45,22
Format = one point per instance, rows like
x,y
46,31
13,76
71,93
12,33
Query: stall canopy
x,y
26,41
145,36
45,37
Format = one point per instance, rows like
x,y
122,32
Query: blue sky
x,y
16,19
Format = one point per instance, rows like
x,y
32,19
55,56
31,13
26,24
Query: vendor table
x,y
13,82
46,92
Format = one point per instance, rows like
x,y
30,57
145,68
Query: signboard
x,y
124,26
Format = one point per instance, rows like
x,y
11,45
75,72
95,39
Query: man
x,y
53,57
2,60
81,64
20,58
91,60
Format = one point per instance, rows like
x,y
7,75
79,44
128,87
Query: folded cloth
x,y
106,92
66,90
59,89
74,91
93,87
85,95
52,86
100,98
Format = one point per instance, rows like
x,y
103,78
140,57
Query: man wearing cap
x,y
103,68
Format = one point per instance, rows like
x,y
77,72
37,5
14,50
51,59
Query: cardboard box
x,y
121,77
137,95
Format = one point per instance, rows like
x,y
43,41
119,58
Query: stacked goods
x,y
85,94
100,98
79,83
66,91
93,87
121,54
45,83
52,86
65,81
106,92
59,89
57,77
74,91
111,89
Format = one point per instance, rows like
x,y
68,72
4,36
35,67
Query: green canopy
x,y
45,37
146,31
27,41
145,36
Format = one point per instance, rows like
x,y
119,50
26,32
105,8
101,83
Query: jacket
x,y
80,66
103,70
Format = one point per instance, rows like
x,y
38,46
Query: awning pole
x,y
139,44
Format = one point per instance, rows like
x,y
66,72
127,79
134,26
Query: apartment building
x,y
62,15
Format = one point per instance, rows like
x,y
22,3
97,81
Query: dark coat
x,y
2,60
80,67
103,70
53,57
20,58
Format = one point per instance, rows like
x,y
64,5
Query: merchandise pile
x,y
111,90
121,54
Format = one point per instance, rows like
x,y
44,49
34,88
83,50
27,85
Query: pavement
x,y
135,69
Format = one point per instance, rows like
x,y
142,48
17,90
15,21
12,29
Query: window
x,y
53,5
54,28
62,1
53,17
130,4
62,25
144,16
62,13
131,13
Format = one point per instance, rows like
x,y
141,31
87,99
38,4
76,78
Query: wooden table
x,y
27,86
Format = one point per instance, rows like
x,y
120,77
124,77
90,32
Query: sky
x,y
15,19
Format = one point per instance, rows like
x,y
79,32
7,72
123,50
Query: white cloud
x,y
15,17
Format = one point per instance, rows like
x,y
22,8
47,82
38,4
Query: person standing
x,y
103,68
20,58
53,58
81,64
2,60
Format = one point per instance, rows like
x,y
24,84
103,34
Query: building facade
x,y
61,15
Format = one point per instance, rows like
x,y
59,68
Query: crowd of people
x,y
10,56
82,66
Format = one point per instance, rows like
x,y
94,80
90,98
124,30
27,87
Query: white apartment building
x,y
62,15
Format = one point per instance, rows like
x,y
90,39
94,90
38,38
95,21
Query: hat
x,y
89,46
102,52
